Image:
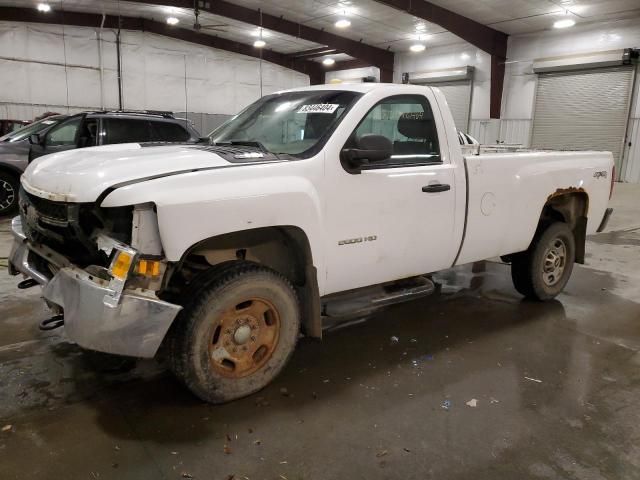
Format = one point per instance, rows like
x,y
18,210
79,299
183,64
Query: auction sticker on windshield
x,y
319,108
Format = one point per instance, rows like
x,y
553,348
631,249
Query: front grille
x,y
47,209
64,227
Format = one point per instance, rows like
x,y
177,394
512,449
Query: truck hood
x,y
83,175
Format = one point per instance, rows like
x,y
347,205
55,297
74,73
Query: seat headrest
x,y
414,125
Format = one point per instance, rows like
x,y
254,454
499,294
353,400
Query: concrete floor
x,y
556,389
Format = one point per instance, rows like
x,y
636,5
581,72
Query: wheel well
x,y
14,172
570,206
285,249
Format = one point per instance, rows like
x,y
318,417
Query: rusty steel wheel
x,y
244,338
542,272
237,333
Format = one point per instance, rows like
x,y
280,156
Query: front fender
x,y
195,206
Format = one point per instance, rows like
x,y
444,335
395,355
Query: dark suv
x,y
87,129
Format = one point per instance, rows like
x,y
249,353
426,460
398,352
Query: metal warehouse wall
x,y
520,80
51,67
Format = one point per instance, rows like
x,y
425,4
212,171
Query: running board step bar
x,y
371,298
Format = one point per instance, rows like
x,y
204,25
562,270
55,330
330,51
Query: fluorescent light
x,y
418,47
172,20
328,61
465,56
44,7
566,23
421,37
259,43
343,23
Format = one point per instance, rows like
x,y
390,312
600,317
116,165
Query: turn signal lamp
x,y
121,265
148,268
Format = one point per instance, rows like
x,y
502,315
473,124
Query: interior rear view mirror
x,y
370,148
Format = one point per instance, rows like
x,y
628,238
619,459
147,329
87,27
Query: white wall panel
x,y
14,78
218,83
47,84
84,87
486,131
515,131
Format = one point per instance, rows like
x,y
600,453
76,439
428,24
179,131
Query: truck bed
x,y
506,192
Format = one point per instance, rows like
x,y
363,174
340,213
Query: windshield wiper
x,y
245,143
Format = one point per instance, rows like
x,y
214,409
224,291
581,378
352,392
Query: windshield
x,y
291,123
35,127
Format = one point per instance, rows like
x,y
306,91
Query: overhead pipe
x,y
119,66
101,62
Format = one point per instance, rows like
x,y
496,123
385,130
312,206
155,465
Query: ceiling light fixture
x,y
172,20
44,7
565,23
259,43
418,47
343,23
421,37
328,62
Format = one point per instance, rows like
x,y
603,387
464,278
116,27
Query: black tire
x,y
202,344
9,186
543,271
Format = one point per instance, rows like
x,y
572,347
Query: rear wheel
x,y
237,334
543,271
9,185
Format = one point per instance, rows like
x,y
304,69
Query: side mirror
x,y
371,148
206,140
34,139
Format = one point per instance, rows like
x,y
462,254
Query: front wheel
x,y
237,334
543,271
9,185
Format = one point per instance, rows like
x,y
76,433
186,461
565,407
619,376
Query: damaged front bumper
x,y
134,326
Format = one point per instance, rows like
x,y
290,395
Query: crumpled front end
x,y
99,312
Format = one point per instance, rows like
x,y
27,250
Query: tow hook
x,y
28,283
52,323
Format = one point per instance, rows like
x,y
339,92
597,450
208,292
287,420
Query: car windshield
x,y
291,123
35,127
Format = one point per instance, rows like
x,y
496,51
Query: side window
x,y
169,132
127,130
64,134
406,120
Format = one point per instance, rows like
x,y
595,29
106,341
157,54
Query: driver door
x,y
392,219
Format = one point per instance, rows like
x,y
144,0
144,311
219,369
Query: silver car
x,y
14,158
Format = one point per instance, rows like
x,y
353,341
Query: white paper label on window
x,y
319,108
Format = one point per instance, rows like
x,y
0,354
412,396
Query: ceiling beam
x,y
80,19
374,55
347,65
485,38
313,52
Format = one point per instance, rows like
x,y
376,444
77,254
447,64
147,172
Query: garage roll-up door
x,y
583,110
458,95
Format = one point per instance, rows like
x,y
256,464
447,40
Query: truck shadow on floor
x,y
415,348
403,349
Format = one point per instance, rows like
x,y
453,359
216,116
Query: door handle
x,y
436,187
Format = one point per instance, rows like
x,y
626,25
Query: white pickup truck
x,y
314,202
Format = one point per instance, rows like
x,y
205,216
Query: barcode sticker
x,y
319,108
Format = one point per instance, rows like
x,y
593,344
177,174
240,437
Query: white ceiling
x,y
371,22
